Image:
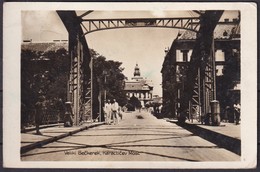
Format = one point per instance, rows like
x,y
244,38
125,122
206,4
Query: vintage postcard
x,y
130,85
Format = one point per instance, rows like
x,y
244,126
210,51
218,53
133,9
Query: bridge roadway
x,y
138,137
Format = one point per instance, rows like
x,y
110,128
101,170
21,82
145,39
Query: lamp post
x,y
102,88
105,82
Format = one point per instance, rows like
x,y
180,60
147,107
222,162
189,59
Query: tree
x,y
43,73
58,73
134,103
47,73
109,77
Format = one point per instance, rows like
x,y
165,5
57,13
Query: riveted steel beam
x,y
202,58
80,70
92,25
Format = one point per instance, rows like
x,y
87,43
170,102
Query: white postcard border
x,y
11,85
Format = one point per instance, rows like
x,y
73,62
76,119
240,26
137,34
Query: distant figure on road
x,y
114,108
107,111
150,109
237,112
230,114
120,112
61,109
160,109
40,111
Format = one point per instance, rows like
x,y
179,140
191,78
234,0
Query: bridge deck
x,y
138,137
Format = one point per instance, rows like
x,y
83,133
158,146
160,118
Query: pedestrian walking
x,y
107,112
237,112
160,109
114,109
120,114
59,105
40,111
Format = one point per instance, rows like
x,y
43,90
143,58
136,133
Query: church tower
x,y
137,70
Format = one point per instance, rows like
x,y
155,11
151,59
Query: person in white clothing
x,y
237,112
107,111
114,109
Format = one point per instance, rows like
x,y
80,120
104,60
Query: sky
x,y
144,46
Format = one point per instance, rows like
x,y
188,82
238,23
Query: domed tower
x,y
137,70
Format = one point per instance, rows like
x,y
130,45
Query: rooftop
x,y
44,46
224,30
131,86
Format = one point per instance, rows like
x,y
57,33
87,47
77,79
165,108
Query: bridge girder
x,y
92,25
202,60
79,91
80,55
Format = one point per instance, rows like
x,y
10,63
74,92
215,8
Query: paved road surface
x,y
138,137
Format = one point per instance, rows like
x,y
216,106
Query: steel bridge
x,y
92,25
80,84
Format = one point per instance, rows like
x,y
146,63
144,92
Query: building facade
x,y
139,87
177,60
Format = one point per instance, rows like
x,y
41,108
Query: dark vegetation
x,y
46,74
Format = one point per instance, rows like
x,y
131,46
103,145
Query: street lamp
x,y
102,87
105,82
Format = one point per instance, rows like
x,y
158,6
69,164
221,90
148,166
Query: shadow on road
x,y
223,141
119,146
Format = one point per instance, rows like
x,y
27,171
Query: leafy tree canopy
x,y
109,77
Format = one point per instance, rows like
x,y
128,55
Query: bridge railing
x,y
48,117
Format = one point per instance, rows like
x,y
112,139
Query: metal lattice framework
x,y
202,60
80,79
92,25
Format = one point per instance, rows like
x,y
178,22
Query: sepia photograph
x,y
126,87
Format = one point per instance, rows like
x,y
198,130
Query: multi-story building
x,y
139,87
227,58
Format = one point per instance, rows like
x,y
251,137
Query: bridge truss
x,y
92,25
79,93
200,86
80,79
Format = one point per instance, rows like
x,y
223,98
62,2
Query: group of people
x,y
112,112
232,114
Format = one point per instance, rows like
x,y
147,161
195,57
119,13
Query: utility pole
x,y
105,82
91,86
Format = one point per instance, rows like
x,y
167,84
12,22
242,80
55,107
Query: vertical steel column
x,y
91,87
214,68
195,100
210,77
199,93
201,57
204,96
100,105
78,82
73,79
77,70
79,85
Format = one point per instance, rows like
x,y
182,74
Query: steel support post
x,y
91,88
201,58
80,81
210,78
199,94
214,69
